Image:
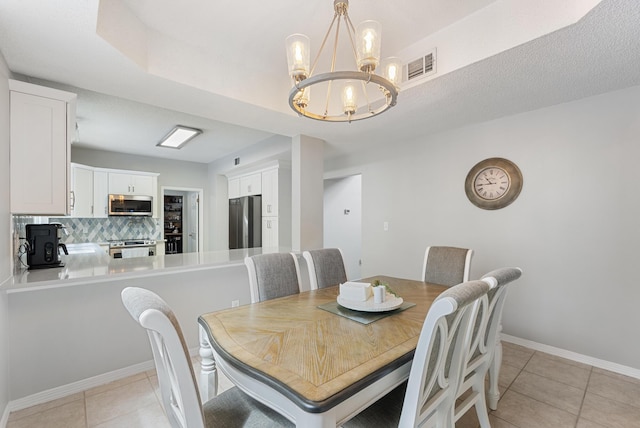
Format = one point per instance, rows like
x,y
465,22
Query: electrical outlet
x,y
385,226
235,303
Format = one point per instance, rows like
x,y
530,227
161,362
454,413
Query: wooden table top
x,y
315,357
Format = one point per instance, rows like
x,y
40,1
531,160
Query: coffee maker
x,y
43,241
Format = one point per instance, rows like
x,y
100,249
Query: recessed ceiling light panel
x,y
178,137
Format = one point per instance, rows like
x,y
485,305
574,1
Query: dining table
x,y
311,359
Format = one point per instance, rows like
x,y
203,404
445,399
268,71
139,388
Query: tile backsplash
x,y
97,229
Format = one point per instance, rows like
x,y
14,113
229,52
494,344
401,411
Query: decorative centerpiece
x,y
368,297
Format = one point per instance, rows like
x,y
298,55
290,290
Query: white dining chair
x,y
483,345
436,370
272,275
446,265
178,388
492,341
326,267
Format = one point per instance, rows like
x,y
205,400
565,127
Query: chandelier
x,y
363,93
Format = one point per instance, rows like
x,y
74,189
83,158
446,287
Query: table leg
x,y
208,371
493,394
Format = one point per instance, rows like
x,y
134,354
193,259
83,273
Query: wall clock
x,y
493,183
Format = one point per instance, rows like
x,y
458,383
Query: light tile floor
x,y
538,390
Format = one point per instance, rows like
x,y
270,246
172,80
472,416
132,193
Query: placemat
x,y
360,316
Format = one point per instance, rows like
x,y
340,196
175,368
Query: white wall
x,y
574,228
342,230
5,239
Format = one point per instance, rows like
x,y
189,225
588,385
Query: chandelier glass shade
x,y
343,96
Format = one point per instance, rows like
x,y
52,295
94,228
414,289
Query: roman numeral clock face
x,y
493,183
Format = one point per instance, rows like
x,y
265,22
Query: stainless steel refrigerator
x,y
245,222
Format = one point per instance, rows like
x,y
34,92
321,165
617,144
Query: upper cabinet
x,y
251,185
42,126
271,190
246,185
100,193
131,184
91,186
81,191
234,188
135,183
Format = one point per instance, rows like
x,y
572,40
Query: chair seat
x,y
383,413
234,408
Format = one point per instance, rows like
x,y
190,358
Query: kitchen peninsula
x,y
70,331
93,265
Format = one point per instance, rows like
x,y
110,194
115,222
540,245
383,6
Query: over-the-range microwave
x,y
127,205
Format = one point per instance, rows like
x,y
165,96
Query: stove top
x,y
132,243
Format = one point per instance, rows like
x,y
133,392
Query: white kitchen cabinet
x,y
251,184
131,184
276,206
135,183
245,185
234,188
270,192
42,125
81,204
270,236
100,193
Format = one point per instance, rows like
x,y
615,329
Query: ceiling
x,y
142,66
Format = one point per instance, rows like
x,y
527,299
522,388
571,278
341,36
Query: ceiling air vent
x,y
421,67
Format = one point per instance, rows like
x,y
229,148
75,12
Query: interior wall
x,y
343,220
573,230
5,237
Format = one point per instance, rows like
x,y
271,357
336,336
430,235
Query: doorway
x,y
182,214
343,220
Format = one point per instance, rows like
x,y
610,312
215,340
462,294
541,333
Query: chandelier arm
x,y
333,66
351,30
324,41
335,47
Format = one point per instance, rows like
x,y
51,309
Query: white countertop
x,y
88,263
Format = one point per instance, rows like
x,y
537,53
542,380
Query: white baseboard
x,y
595,362
82,385
79,386
5,417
